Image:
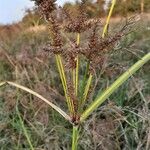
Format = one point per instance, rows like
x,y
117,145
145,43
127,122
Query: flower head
x,y
45,7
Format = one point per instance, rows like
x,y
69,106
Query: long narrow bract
x,y
60,111
111,89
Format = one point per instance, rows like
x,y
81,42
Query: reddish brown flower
x,y
46,6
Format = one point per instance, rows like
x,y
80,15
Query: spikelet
x,y
45,7
70,55
81,22
98,48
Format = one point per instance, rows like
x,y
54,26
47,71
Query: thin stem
x,y
74,78
76,71
108,18
60,72
111,89
75,135
78,38
84,78
83,91
85,94
77,75
87,87
23,127
62,69
64,82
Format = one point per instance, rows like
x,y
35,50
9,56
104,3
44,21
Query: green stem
x,y
77,76
84,87
85,77
76,71
64,82
24,129
108,18
85,94
114,86
75,135
87,87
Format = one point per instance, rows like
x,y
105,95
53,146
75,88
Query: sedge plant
x,y
68,56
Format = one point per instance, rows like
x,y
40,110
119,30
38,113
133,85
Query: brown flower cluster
x,y
56,43
80,22
98,47
55,35
95,49
45,7
70,55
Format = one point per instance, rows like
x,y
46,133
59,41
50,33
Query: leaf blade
x,y
115,86
2,83
60,111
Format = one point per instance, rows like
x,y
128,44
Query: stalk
x,y
85,94
75,134
76,70
77,76
64,82
24,128
108,18
78,38
85,78
74,78
114,86
87,87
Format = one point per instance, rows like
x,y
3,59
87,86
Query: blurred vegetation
x,y
121,123
98,8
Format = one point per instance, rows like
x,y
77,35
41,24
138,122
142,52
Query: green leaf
x,y
111,89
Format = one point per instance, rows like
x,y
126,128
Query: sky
x,y
12,11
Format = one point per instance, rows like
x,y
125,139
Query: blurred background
x,y
122,123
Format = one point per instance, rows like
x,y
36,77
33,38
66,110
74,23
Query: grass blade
x,y
77,76
108,18
24,129
76,70
60,111
64,82
87,87
2,83
114,86
77,67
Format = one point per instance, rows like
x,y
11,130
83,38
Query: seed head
x,y
80,24
56,43
98,48
45,7
70,54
